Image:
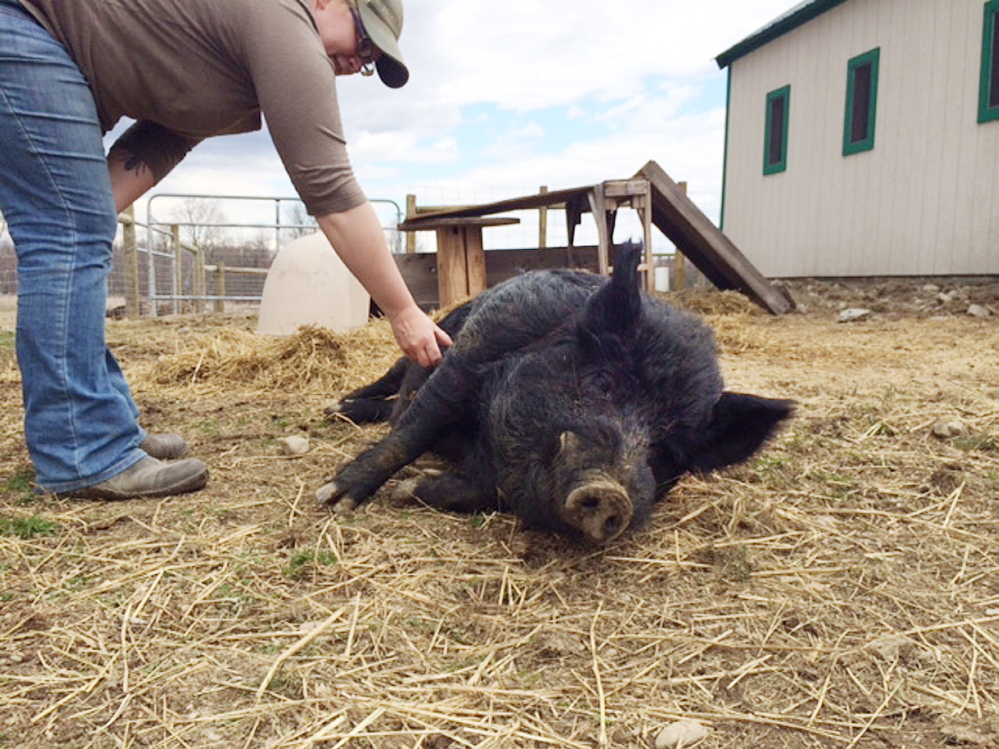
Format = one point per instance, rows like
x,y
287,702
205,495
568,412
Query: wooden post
x,y
543,221
178,266
644,205
604,231
200,285
131,264
475,259
679,261
461,260
452,266
614,194
220,287
410,213
461,263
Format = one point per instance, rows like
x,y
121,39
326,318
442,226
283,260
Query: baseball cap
x,y
382,20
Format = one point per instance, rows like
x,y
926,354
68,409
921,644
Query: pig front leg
x,y
439,407
372,403
447,490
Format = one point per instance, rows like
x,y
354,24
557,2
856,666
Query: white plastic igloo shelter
x,y
308,284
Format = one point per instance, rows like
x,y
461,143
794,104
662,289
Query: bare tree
x,y
202,222
301,223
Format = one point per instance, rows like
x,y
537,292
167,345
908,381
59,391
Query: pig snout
x,y
599,509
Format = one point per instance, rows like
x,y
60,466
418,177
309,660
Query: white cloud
x,y
523,54
402,148
627,79
689,148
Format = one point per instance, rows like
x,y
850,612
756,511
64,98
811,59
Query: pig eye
x,y
600,383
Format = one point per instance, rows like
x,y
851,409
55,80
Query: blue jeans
x,y
80,422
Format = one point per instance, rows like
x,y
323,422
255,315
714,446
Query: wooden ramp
x,y
660,202
704,244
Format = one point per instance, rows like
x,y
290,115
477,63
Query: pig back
x,y
523,310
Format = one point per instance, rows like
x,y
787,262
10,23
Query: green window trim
x,y
988,92
775,138
861,102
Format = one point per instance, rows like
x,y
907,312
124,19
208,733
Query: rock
x,y
853,314
888,647
960,735
294,445
977,310
946,429
683,733
931,288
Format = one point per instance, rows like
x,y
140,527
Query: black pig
x,y
573,401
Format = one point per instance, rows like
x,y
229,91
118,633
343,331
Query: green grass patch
x,y
985,443
303,559
6,346
23,484
27,527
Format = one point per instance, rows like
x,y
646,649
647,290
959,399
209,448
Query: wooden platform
x,y
658,200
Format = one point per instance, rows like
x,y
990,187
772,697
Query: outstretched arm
x,y
357,236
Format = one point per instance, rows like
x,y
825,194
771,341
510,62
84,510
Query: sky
x,y
507,96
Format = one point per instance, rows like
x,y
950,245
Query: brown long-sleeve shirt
x,y
200,68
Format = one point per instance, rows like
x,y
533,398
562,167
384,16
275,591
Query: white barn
x,y
863,140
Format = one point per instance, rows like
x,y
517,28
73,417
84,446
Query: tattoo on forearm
x,y
147,148
127,160
132,163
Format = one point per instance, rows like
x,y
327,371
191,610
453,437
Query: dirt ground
x,y
839,590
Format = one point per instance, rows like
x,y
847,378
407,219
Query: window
x,y
988,94
775,140
861,102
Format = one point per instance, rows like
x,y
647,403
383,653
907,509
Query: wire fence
x,y
195,253
206,253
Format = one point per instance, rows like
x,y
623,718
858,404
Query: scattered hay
x,y
713,302
838,591
312,358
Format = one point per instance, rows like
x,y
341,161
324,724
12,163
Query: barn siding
x,y
922,202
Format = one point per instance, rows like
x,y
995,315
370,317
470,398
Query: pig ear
x,y
739,426
617,306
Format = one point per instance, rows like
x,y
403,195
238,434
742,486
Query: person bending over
x,y
184,70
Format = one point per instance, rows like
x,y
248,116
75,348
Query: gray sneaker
x,y
164,446
148,478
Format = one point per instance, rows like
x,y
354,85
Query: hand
x,y
419,337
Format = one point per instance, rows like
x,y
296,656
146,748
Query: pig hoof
x,y
344,506
600,510
327,493
405,491
330,495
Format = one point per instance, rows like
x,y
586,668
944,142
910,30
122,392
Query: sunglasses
x,y
365,47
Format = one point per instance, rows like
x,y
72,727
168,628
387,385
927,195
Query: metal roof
x,y
792,19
